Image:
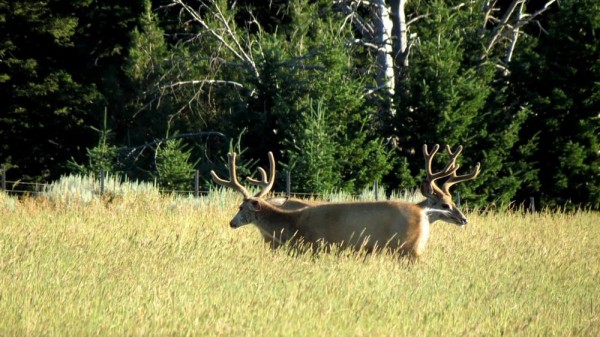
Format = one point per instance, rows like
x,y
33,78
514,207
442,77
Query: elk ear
x,y
426,190
255,205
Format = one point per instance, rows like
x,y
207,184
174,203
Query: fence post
x,y
196,184
457,198
3,177
288,183
532,204
101,182
376,189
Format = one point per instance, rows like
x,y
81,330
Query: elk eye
x,y
445,206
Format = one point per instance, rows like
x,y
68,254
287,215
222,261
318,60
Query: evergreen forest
x,y
343,92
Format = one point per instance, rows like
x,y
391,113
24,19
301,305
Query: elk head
x,y
250,205
439,202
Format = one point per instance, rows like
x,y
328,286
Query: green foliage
x,y
102,157
149,112
244,164
360,150
45,106
148,48
174,171
313,162
299,110
285,74
144,65
55,57
506,164
447,92
565,100
402,178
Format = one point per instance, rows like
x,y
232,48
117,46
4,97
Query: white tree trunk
x,y
385,63
400,33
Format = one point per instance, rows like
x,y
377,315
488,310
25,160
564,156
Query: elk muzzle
x,y
236,222
459,218
241,218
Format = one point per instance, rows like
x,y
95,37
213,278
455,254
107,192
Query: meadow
x,y
145,264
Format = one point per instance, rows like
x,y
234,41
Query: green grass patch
x,y
147,265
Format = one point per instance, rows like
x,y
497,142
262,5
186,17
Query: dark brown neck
x,y
275,221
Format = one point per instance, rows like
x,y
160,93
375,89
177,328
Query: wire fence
x,y
22,187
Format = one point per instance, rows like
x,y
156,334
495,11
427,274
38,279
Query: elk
x,y
394,225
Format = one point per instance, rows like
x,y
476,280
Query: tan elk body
x,y
394,225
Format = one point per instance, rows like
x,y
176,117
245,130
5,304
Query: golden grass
x,y
151,265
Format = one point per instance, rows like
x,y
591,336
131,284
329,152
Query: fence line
x,y
38,188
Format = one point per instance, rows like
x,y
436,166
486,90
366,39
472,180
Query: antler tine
x,y
266,183
454,179
435,149
455,154
447,171
233,183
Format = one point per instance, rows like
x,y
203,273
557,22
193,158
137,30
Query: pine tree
x,y
46,105
559,76
447,91
102,158
174,170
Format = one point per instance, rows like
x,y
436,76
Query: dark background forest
x,y
345,93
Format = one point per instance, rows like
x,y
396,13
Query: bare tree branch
x,y
497,32
531,17
361,42
236,48
194,82
363,27
515,35
508,27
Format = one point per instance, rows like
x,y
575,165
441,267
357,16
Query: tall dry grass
x,y
145,264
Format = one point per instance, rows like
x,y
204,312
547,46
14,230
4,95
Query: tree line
x,y
344,92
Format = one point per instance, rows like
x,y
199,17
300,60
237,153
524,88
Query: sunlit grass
x,y
160,265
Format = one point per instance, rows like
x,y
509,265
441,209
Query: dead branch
x,y
224,34
508,26
202,82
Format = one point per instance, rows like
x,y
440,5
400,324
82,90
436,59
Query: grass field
x,y
148,265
